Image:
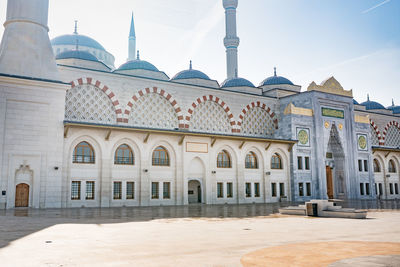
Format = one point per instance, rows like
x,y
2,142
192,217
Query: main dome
x,y
138,64
275,80
372,105
76,54
76,39
236,82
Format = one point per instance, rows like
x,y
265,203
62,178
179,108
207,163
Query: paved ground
x,y
188,236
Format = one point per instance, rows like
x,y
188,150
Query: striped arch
x,y
253,105
378,133
216,100
105,89
394,123
162,93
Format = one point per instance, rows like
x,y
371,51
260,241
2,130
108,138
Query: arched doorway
x,y
335,166
22,195
194,192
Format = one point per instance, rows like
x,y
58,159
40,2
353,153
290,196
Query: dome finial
x,y
76,27
392,102
367,97
274,71
190,65
236,73
137,55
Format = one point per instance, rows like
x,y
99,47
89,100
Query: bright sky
x,y
357,41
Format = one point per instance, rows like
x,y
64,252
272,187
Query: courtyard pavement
x,y
199,235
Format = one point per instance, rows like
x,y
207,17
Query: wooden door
x,y
22,195
329,183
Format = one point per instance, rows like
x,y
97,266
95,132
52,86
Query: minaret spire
x,y
231,41
132,41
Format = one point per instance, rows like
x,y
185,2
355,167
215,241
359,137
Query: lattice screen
x,y
392,138
153,111
87,103
210,117
374,137
257,122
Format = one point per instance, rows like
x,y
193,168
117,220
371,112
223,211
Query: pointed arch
x,y
388,139
246,111
215,99
160,92
376,132
97,84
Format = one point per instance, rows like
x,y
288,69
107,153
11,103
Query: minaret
x,y
231,41
132,41
25,48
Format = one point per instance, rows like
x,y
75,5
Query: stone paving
x,y
220,235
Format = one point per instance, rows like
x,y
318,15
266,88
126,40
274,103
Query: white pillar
x,y
25,48
231,41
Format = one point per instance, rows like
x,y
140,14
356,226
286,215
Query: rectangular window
x,y
90,190
361,189
166,190
154,190
367,189
365,165
229,190
376,189
76,190
307,163
396,188
299,163
380,189
360,165
130,190
273,189
220,190
308,189
391,188
281,189
257,189
301,189
248,189
117,190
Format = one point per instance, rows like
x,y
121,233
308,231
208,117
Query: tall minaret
x,y
132,41
231,41
25,48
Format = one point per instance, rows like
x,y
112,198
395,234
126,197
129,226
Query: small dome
x,y
395,109
371,105
76,39
138,64
355,102
190,74
76,54
274,80
236,82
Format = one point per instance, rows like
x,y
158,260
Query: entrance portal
x,y
329,183
22,195
194,192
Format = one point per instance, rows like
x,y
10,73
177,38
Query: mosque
x,y
77,131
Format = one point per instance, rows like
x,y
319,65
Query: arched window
x,y
377,166
124,155
392,167
251,161
160,157
224,160
276,162
83,153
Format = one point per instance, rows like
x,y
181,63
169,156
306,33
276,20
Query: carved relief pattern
x,y
153,111
374,137
257,122
87,103
392,138
209,116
